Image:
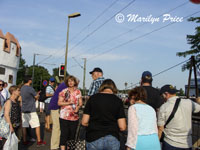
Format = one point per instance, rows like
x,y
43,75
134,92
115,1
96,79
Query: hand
x,y
11,129
76,110
69,102
128,148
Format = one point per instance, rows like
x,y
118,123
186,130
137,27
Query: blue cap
x,y
168,88
146,75
52,79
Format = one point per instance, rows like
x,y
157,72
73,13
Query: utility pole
x,y
192,64
33,68
66,50
84,72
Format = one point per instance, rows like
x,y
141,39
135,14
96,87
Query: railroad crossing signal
x,y
61,70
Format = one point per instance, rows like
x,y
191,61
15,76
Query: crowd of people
x,y
154,116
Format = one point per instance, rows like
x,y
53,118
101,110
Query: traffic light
x,y
61,70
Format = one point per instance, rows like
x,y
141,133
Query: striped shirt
x,y
49,90
94,87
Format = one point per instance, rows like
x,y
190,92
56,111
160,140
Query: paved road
x,y
45,135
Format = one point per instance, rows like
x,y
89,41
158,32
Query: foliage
x,y
181,92
55,71
21,71
40,74
194,41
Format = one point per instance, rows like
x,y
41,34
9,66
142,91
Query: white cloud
x,y
21,22
57,54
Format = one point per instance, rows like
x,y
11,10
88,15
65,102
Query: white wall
x,y
9,61
1,43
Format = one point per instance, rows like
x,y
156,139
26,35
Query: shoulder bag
x,y
4,126
170,117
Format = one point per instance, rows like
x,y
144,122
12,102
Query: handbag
x,y
4,126
76,144
11,142
170,117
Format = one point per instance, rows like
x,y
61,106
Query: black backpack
x,y
43,96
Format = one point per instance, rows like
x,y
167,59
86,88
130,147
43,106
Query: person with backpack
x,y
49,92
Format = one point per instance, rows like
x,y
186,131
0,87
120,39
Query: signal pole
x,y
84,72
33,68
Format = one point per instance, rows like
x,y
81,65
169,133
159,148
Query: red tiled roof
x,y
1,34
8,39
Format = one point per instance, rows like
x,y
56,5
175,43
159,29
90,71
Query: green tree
x,y
21,71
40,74
181,92
55,71
194,41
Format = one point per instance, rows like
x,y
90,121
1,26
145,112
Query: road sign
x,y
45,82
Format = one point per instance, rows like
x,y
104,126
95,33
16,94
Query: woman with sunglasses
x,y
2,100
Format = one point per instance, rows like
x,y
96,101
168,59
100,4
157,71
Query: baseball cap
x,y
96,70
146,75
168,88
52,79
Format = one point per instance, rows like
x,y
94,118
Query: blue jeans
x,y
166,146
108,142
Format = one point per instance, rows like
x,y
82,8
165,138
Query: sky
x,y
41,27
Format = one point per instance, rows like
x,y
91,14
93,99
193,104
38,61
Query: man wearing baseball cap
x,y
97,76
49,94
178,131
153,96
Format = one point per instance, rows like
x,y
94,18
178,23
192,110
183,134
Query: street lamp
x,y
66,52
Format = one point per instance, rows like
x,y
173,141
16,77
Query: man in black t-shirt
x,y
153,96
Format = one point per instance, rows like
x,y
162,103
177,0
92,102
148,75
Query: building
x,y
9,58
192,92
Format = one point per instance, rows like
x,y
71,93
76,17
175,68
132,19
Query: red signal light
x,y
195,1
62,70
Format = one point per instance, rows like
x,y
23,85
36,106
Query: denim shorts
x,y
108,142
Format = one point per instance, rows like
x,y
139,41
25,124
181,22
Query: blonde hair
x,y
13,88
108,84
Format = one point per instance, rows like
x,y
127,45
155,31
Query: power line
x,y
100,26
139,37
77,62
136,38
163,71
124,33
88,35
53,53
94,20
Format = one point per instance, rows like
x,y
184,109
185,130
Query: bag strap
x,y
173,112
51,87
2,109
78,130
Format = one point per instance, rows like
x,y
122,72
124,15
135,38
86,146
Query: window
x,y
10,80
2,70
6,44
